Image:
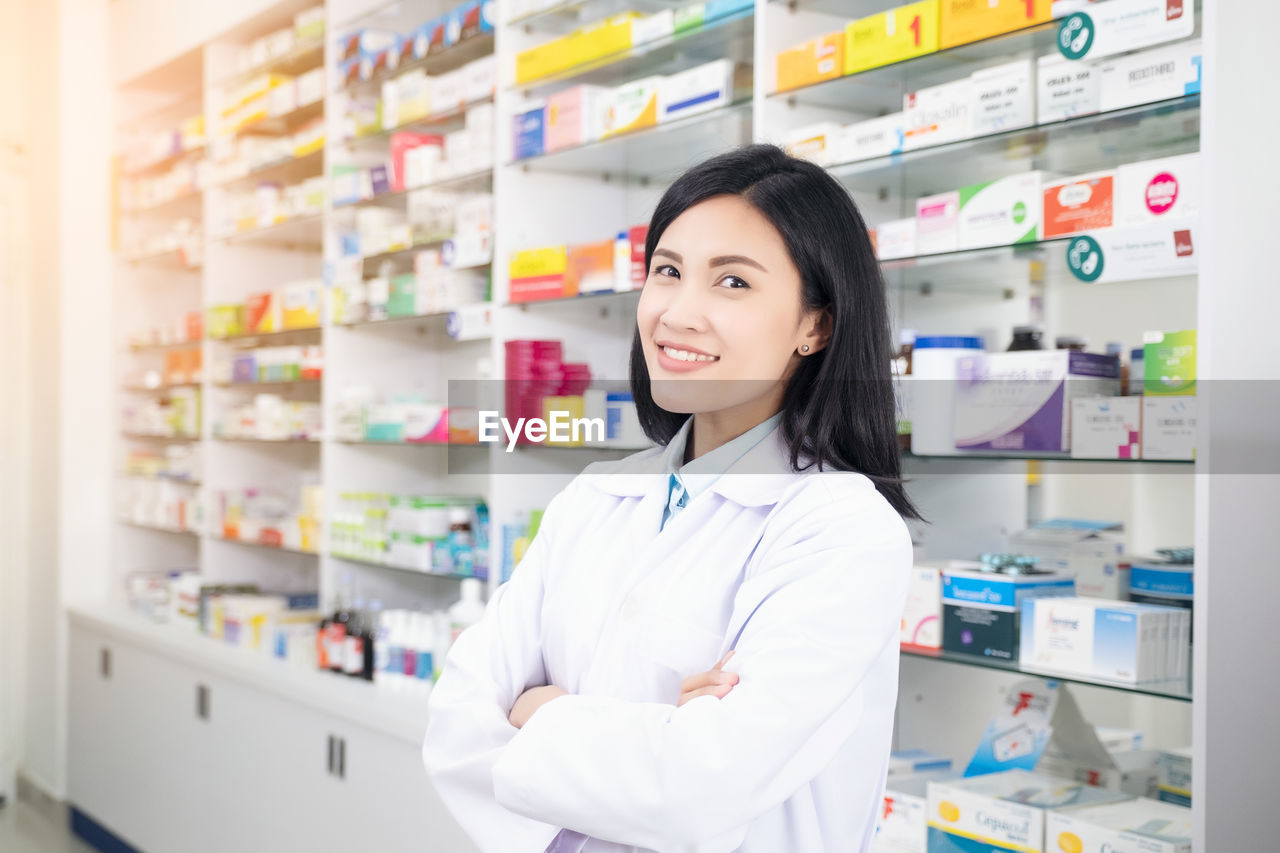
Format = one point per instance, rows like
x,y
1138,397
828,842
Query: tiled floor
x,y
24,829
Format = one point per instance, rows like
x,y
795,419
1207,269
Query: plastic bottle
x,y
353,659
428,669
1078,343
322,644
337,644
461,541
377,651
902,358
622,262
409,652
439,628
1028,337
468,611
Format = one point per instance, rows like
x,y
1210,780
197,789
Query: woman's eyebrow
x,y
722,260
667,253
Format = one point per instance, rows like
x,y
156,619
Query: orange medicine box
x,y
964,21
589,268
1082,203
812,62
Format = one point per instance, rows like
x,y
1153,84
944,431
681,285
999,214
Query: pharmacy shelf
x,y
581,297
231,439
160,478
169,259
479,180
252,543
161,163
383,322
729,37
276,384
303,232
187,202
305,56
427,242
283,123
1178,690
290,170
158,389
440,62
400,716
145,436
161,528
655,154
404,569
162,347
438,121
1080,465
564,17
306,331
1073,146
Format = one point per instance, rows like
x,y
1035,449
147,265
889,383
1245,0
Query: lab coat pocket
x,y
682,647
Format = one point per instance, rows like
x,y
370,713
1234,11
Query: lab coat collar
x,y
759,478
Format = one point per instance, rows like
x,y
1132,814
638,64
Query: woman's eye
x,y
734,283
666,270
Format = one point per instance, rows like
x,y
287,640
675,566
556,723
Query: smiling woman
x,y
699,649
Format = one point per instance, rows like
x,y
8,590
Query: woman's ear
x,y
817,331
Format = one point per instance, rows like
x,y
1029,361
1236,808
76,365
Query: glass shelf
x,y
306,232
1071,147
416,246
440,119
284,123
161,163
580,298
171,206
307,331
379,565
1179,690
249,440
964,461
251,543
169,259
465,182
655,153
440,62
565,17
158,389
282,383
160,478
141,348
729,37
142,525
146,436
289,170
305,56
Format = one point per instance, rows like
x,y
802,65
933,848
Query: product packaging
x,y
1106,428
1000,212
876,137
896,239
1108,640
937,114
1140,825
574,116
1091,552
589,268
981,609
901,826
818,143
816,60
1169,363
528,132
892,36
1169,428
1174,768
301,308
1153,75
938,223
632,106
1003,811
1124,25
1077,204
537,273
1003,98
1154,580
1065,89
922,617
963,21
1160,190
698,90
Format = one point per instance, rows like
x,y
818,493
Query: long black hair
x,y
838,406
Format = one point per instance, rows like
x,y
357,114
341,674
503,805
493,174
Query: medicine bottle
x,y
1076,343
1028,337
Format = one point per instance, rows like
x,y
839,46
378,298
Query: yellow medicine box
x,y
892,36
537,273
964,21
812,62
612,35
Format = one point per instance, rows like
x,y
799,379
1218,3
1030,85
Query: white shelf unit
x,y
590,192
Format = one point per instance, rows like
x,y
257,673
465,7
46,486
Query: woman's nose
x,y
686,310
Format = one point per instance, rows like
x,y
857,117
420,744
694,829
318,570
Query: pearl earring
x,y
804,348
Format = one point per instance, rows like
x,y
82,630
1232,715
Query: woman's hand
x,y
531,700
713,682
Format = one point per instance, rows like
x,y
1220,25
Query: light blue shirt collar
x,y
685,482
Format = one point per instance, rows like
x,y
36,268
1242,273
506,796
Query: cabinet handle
x,y
342,758
104,662
202,701
332,748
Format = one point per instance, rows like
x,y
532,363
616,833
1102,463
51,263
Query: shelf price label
x,y
964,21
892,36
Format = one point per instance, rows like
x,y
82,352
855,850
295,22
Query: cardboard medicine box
x,y
1142,825
980,610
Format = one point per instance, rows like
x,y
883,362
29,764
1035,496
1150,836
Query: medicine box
x,y
1000,212
937,223
922,617
1138,825
901,826
937,114
528,132
574,116
1159,190
1169,363
902,33
1094,557
1022,400
301,308
1116,641
1106,428
818,143
1077,204
876,137
1002,811
1157,581
816,60
537,273
914,762
1169,428
612,35
963,21
589,268
1153,75
980,610
659,25
1002,98
1174,768
632,106
896,239
1065,88
698,90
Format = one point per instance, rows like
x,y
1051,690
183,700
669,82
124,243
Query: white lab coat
x,y
804,574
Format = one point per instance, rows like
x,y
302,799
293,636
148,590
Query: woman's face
x,y
722,304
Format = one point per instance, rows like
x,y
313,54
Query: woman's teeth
x,y
685,355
